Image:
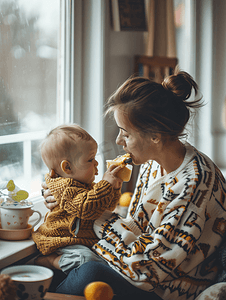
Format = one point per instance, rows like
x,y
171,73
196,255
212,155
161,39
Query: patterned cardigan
x,y
175,222
77,201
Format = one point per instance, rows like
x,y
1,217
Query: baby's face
x,y
85,165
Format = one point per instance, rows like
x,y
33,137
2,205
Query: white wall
x,y
120,50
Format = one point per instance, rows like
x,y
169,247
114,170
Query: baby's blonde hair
x,y
60,141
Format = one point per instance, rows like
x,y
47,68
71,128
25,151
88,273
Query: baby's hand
x,y
50,201
110,176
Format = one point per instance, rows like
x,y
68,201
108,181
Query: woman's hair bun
x,y
181,84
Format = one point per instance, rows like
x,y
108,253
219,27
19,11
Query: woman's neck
x,y
172,155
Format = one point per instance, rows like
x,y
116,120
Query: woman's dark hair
x,y
157,108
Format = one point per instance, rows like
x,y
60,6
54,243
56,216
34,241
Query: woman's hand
x,y
110,176
50,201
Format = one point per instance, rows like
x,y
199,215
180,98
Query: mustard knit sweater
x,y
75,200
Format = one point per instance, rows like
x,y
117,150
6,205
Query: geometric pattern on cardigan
x,y
175,222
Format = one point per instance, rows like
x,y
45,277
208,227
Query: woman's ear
x,y
66,167
157,138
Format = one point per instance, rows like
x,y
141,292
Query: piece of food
x,y
98,290
123,160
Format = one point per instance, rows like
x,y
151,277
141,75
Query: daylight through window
x,y
29,69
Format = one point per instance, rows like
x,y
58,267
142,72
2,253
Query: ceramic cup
x,y
32,281
17,217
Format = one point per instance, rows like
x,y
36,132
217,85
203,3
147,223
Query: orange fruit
x,y
125,199
98,290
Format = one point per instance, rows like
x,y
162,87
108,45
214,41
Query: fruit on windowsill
x,y
98,290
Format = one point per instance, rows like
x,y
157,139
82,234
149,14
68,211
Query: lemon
x,y
98,290
10,186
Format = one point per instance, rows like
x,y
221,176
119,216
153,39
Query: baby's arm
x,y
90,204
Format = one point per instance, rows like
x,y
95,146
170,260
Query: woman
x,y
177,216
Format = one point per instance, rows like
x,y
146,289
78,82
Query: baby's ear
x,y
66,167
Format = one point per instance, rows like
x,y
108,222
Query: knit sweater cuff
x,y
97,227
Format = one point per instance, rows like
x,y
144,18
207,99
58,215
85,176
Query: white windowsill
x,y
13,251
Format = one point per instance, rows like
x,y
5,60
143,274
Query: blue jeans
x,y
77,279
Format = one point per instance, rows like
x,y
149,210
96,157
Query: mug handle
x,y
40,217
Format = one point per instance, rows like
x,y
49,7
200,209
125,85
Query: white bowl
x,y
32,281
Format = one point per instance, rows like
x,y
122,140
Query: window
x,y
52,61
30,86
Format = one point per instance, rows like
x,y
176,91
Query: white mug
x,y
17,217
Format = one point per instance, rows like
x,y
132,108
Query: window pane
x,y
29,33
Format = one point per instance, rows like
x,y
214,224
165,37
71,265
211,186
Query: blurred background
x,y
60,60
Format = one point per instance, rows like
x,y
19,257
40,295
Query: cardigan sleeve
x,y
90,204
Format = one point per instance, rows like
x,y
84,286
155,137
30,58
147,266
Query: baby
x,y
69,153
